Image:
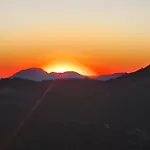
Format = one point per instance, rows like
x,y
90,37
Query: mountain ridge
x,y
88,113
38,74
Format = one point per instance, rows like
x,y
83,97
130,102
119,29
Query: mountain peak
x,y
148,67
38,74
32,70
144,70
66,75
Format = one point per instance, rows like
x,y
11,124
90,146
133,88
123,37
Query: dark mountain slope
x,y
82,114
109,76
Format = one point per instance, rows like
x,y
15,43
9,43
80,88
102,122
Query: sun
x,y
60,70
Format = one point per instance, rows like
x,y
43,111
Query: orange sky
x,y
87,54
90,37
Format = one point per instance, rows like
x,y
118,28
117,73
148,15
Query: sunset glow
x,y
61,68
87,36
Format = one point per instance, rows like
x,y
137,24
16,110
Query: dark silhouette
x,y
37,74
77,114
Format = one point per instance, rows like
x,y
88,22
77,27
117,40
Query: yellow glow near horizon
x,y
61,68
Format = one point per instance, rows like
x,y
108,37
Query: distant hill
x,y
135,76
77,114
37,74
66,75
109,76
142,72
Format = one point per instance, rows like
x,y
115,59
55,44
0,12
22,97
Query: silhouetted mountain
x,y
143,73
37,74
109,76
66,75
77,114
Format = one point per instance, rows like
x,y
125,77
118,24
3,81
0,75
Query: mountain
x,y
109,76
77,114
143,73
37,74
66,75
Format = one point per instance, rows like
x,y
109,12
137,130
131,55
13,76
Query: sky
x,y
91,37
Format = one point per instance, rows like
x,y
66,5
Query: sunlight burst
x,y
61,70
63,67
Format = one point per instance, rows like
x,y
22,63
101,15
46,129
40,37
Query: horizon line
x,y
71,71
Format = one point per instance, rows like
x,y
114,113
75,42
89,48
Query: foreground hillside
x,y
77,114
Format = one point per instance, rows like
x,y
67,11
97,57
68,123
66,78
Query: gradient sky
x,y
90,36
